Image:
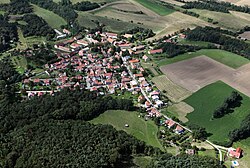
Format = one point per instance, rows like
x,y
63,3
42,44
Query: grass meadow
x,y
206,100
138,127
54,20
155,7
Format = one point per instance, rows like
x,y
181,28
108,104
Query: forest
x,y
85,6
17,7
36,27
184,161
233,101
8,33
226,42
173,50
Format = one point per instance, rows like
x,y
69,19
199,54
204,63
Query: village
x,y
107,64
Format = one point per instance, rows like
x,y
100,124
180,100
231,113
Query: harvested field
x,y
174,2
174,92
181,110
245,35
195,73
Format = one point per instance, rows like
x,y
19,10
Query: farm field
x,y
206,100
195,73
194,43
157,8
224,57
138,127
226,20
86,19
180,110
51,18
174,92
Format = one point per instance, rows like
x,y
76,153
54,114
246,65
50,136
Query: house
x,y
190,151
66,49
169,123
75,45
66,31
128,35
111,35
147,104
78,37
158,51
145,58
141,99
179,129
235,153
125,46
134,61
82,42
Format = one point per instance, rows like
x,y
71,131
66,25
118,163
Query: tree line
x,y
242,132
214,5
227,43
233,101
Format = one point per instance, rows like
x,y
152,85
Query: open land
x,y
141,129
174,92
51,18
206,100
195,73
239,2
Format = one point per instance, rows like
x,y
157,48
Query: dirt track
x,y
195,73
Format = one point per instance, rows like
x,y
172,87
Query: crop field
x,y
157,8
224,57
138,127
227,20
195,73
86,20
51,18
206,100
174,92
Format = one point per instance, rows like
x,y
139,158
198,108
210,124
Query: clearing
x,y
224,57
174,92
138,127
53,20
206,100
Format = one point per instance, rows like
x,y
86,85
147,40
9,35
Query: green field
x,y
157,8
224,57
114,25
54,20
194,43
206,100
138,127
